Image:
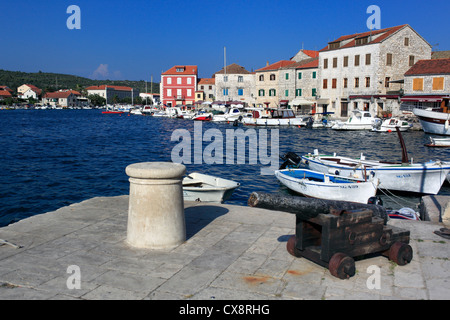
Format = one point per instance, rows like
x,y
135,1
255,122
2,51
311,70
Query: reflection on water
x,y
52,158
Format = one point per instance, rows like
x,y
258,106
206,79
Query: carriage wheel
x,y
290,246
401,253
342,266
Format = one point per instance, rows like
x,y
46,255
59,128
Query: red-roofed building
x,y
27,91
64,99
4,93
365,70
178,85
427,85
206,89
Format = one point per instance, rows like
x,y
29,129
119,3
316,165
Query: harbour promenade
x,y
231,253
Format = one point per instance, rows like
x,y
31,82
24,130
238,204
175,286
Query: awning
x,y
301,102
284,101
417,98
323,101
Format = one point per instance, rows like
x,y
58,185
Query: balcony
x,y
179,97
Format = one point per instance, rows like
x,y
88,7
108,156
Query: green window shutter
x,y
299,76
314,75
286,93
313,92
287,76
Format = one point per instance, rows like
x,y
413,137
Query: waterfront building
x,y
235,83
26,91
366,70
109,92
64,99
178,85
427,85
298,84
267,86
5,92
206,90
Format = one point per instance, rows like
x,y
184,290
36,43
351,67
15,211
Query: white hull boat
x,y
360,120
280,117
423,178
439,142
389,125
433,121
206,188
325,186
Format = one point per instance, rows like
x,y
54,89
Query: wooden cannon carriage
x,y
332,238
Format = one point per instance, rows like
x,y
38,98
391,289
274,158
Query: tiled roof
x,y
304,64
34,88
433,66
61,94
5,88
207,81
277,65
5,93
103,86
311,53
378,35
187,70
440,54
233,69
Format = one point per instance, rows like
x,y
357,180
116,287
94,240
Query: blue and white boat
x,y
422,178
326,186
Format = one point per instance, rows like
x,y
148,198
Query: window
x,y
178,80
325,63
225,91
334,62
411,61
178,92
298,92
346,61
406,42
334,45
202,87
169,92
272,92
261,77
180,69
189,92
240,92
225,79
386,82
314,92
261,93
368,58
418,84
357,60
438,83
286,93
240,79
367,82
333,83
287,76
189,80
314,74
169,80
299,76
325,83
361,41
389,59
345,83
210,87
356,82
272,77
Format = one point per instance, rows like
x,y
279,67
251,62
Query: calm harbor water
x,y
53,158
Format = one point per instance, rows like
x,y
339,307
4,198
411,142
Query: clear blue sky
x,y
137,39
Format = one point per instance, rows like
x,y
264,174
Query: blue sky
x,y
138,39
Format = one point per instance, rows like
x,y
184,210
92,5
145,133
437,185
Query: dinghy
x,y
326,186
206,188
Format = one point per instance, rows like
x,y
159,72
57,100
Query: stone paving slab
x,y
231,253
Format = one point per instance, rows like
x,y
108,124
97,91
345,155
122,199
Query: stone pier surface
x,y
231,252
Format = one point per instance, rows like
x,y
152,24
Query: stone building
x,y
206,89
365,70
235,83
109,92
427,85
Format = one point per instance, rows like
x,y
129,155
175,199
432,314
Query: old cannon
x,y
333,233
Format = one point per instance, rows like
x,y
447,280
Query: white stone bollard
x,y
156,208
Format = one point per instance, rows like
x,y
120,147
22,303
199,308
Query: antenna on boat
x,y
402,144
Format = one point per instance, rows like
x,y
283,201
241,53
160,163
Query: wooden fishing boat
x,y
206,188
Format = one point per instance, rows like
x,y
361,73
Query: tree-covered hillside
x,y
55,81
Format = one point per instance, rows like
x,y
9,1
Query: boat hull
x,y
433,122
206,188
425,178
324,186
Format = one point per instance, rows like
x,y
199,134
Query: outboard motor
x,y
290,159
375,200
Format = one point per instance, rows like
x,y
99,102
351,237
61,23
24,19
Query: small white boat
x,y
279,117
231,115
326,186
439,142
389,125
360,120
206,188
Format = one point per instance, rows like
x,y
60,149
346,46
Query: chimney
x,y
267,64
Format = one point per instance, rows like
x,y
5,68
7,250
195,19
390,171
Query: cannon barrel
x,y
307,208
